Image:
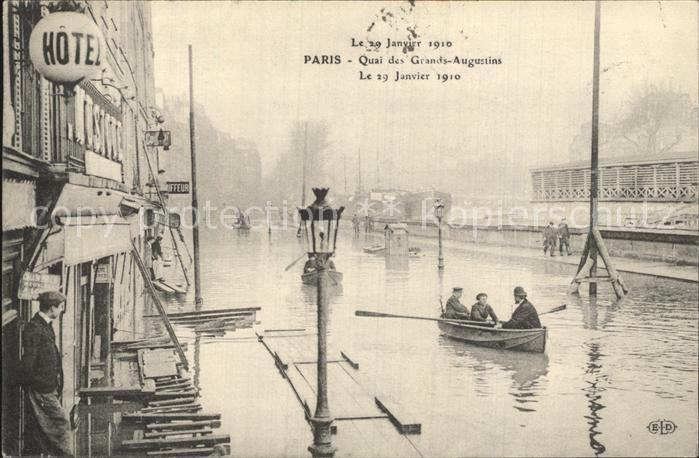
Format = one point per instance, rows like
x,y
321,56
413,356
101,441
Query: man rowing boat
x,y
455,309
525,315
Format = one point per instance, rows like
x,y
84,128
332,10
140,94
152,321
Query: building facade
x,y
76,173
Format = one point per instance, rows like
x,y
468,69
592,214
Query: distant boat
x,y
311,278
164,287
527,340
374,249
414,252
243,222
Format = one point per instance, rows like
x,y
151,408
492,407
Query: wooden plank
x,y
140,417
162,287
174,288
172,394
185,384
171,402
401,422
304,391
593,280
158,370
157,339
154,346
174,408
159,356
171,381
365,417
176,441
211,319
154,434
343,403
149,386
297,349
350,361
183,425
136,256
103,391
197,451
208,312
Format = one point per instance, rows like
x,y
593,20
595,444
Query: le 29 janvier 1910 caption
x,y
411,60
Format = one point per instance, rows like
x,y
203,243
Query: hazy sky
x,y
250,75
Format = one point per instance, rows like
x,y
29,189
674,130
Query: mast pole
x,y
594,155
198,301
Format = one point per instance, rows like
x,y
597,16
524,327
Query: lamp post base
x,y
322,446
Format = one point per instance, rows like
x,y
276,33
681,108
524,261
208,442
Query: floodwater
x,y
610,369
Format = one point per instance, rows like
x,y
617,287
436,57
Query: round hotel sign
x,y
66,47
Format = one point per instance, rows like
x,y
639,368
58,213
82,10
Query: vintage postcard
x,y
350,228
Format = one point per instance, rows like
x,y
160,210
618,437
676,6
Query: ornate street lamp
x,y
321,238
439,214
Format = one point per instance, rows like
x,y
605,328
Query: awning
x,y
86,239
18,204
76,200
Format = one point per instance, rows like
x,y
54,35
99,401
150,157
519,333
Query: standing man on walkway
x,y
41,374
355,224
563,236
550,236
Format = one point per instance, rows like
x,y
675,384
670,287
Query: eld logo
x,y
662,427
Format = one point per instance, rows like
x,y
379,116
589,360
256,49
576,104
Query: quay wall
x,y
673,246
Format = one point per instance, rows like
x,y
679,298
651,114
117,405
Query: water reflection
x,y
597,312
652,332
527,370
397,263
593,392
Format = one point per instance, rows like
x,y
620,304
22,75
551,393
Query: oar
x,y
555,309
368,313
294,263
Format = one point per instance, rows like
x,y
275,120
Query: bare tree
x,y
657,119
308,145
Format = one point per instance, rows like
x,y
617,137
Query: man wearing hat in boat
x,y
525,315
455,309
41,374
481,310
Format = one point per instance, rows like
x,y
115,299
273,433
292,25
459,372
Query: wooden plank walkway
x,y
171,419
364,425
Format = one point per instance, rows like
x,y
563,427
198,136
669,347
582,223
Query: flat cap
x,y
456,289
519,291
51,298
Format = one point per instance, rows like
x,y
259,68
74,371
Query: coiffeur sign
x,y
66,48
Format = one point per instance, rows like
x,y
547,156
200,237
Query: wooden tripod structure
x,y
587,269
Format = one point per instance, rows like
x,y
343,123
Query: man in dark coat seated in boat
x,y
455,309
310,265
525,315
481,310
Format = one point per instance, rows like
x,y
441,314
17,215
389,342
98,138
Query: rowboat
x,y
529,340
375,249
160,285
311,278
